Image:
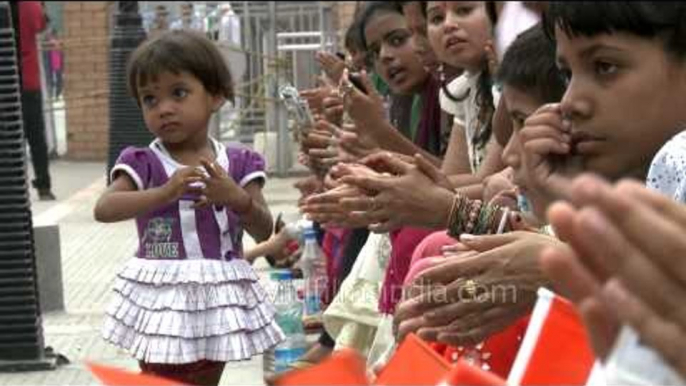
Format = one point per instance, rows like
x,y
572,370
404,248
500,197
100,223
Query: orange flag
x,y
556,349
117,377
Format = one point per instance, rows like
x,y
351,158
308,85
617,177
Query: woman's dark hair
x,y
484,100
492,12
176,52
664,20
370,9
529,65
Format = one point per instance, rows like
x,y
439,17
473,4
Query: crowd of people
x,y
500,145
462,156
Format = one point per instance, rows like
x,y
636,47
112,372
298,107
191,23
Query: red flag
x,y
556,349
343,367
414,363
465,374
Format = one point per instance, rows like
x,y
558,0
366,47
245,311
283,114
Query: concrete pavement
x,y
91,255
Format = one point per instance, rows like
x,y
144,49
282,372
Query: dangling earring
x,y
441,74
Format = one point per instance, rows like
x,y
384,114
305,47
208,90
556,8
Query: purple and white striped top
x,y
177,231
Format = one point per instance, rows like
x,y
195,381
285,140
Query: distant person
x,y
160,22
188,20
32,21
55,61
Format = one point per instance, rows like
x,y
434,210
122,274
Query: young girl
x,y
187,302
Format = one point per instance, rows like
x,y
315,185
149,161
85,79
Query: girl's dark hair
x,y
176,52
353,40
369,10
529,65
665,20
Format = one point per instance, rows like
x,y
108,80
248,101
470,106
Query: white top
x,y
667,172
514,19
466,113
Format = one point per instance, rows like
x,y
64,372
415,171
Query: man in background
x,y
32,21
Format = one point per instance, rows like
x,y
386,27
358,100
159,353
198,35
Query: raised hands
x,y
413,193
626,263
332,65
221,190
365,108
184,182
326,208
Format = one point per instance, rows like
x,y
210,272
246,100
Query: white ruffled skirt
x,y
183,311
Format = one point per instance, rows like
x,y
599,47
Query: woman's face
x,y
624,100
458,32
416,22
389,42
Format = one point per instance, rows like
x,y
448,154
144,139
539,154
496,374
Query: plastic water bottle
x,y
295,229
313,263
289,318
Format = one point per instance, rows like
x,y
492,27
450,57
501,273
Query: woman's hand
x,y
325,208
467,299
396,200
353,145
332,65
333,108
367,108
315,97
320,146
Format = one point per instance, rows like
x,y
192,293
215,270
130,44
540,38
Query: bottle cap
x,y
281,275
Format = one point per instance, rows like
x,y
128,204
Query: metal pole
x,y
322,27
277,124
21,329
127,127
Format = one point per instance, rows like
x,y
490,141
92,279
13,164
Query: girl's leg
x,y
209,374
201,373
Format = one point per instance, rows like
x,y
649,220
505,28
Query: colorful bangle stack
x,y
475,217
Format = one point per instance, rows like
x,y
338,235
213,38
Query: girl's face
x,y
624,99
389,43
458,32
416,22
520,105
357,60
177,108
